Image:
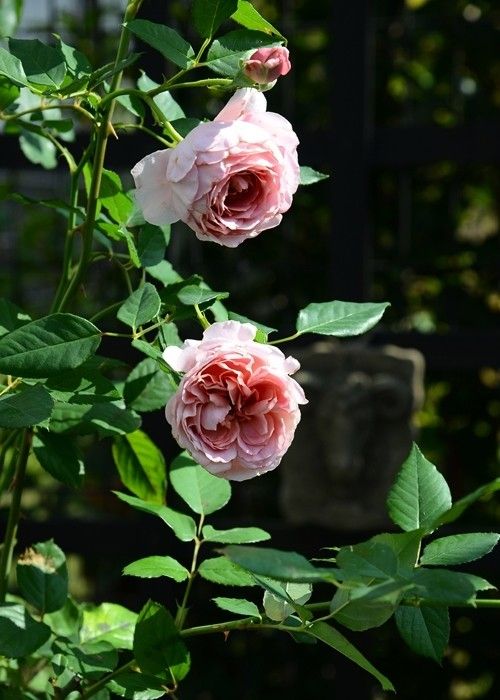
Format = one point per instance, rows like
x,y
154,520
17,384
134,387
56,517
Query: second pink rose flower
x,y
237,407
229,179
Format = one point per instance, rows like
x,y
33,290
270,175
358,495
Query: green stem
x,y
6,475
150,132
201,317
285,340
478,603
98,685
71,229
180,618
104,312
101,140
206,82
12,522
41,108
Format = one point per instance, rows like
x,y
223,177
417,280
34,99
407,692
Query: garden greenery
x,y
231,400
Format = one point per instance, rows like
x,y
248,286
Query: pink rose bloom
x,y
267,64
236,408
228,179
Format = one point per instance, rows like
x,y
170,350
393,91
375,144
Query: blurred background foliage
x,y
434,255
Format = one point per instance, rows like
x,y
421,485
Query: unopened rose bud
x,y
267,64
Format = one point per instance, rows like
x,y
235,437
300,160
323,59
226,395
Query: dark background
x,y
400,103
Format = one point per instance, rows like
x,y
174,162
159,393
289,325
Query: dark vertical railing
x,y
351,61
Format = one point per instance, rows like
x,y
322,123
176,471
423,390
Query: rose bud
x,y
229,179
267,64
236,408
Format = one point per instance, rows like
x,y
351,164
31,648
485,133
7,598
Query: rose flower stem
x,y
98,164
12,522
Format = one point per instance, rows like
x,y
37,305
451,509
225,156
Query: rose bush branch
x,y
101,138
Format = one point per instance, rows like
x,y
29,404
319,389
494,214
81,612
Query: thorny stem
x,y
150,132
13,519
180,618
9,440
101,140
206,82
98,685
246,623
41,108
71,228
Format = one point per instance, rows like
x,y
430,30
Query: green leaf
x,y
406,547
141,466
164,101
208,15
447,587
154,567
67,621
237,535
339,318
158,646
275,563
249,17
183,526
165,40
147,387
20,634
121,233
59,456
332,637
106,72
227,53
460,506
30,406
12,68
372,559
48,346
140,307
10,16
148,349
151,245
281,600
132,104
113,198
420,494
42,576
164,273
192,295
38,149
110,623
426,630
308,176
137,686
76,62
103,418
366,607
238,606
89,661
221,570
8,93
203,492
43,65
169,335
459,549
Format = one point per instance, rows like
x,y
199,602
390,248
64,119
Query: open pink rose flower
x,y
236,408
229,179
